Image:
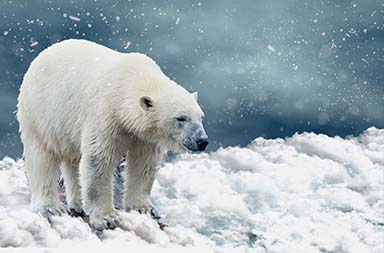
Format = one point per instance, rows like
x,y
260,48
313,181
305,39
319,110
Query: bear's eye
x,y
181,119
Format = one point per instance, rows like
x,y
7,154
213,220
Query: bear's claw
x,y
52,210
162,225
75,213
151,212
107,222
154,215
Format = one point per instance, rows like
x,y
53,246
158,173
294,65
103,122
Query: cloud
x,y
325,66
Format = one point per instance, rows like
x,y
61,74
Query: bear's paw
x,y
51,209
106,221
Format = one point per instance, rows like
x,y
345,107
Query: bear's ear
x,y
195,95
146,102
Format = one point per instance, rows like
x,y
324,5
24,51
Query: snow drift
x,y
306,193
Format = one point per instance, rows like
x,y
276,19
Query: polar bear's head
x,y
177,117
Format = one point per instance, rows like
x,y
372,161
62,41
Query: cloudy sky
x,y
262,68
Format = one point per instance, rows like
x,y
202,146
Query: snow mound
x,y
306,193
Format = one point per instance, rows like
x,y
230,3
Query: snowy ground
x,y
307,193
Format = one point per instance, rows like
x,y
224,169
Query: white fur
x,y
79,107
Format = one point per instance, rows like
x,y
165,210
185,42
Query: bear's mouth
x,y
178,146
190,147
184,148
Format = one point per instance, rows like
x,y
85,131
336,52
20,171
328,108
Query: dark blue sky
x,y
262,68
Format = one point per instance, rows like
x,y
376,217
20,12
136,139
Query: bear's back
x,y
74,80
59,83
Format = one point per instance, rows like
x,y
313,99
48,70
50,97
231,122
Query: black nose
x,y
202,144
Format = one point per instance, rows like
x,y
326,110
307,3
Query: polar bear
x,y
81,108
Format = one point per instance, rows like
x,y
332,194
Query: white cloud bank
x,y
306,193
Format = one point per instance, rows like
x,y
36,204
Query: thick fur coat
x,y
81,108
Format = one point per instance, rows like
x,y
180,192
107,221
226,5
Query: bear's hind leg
x,y
42,168
70,172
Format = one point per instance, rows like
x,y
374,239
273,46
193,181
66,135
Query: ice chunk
x,y
306,193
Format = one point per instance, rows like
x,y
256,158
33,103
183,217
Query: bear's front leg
x,y
96,179
142,166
